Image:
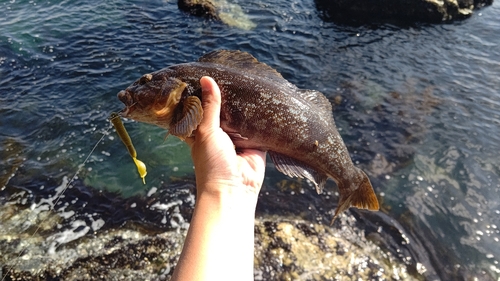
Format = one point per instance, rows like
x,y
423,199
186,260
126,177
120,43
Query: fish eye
x,y
145,79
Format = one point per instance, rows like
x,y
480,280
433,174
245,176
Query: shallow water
x,y
418,107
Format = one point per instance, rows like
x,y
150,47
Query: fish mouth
x,y
126,111
126,98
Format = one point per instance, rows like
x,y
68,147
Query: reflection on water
x,y
418,107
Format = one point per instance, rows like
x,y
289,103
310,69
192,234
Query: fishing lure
x,y
122,133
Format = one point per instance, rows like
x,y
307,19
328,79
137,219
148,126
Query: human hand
x,y
220,241
219,169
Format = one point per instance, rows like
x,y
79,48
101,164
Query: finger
x,y
211,102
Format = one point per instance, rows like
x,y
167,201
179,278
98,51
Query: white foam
x,y
67,235
160,206
97,224
152,191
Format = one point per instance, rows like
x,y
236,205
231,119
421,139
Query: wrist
x,y
221,233
227,202
228,195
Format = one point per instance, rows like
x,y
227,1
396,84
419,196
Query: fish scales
x,y
260,110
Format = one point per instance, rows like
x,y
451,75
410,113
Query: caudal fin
x,y
363,197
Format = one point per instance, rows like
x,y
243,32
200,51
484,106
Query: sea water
x,y
418,107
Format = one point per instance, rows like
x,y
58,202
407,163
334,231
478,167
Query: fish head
x,y
152,98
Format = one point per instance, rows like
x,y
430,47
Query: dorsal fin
x,y
319,99
241,60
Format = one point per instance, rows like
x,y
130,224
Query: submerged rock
x,y
431,11
385,128
12,157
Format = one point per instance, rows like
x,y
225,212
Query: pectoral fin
x,y
236,136
192,114
295,168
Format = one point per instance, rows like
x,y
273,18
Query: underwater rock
x,y
385,128
431,11
12,157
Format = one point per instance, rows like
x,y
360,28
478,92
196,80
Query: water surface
x,y
418,107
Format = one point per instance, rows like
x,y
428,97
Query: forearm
x,y
220,240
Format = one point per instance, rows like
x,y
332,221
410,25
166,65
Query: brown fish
x,y
260,110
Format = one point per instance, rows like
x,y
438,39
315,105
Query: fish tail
x,y
362,197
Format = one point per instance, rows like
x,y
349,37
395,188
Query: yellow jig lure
x,y
122,133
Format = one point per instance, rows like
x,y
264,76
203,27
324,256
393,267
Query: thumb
x,y
211,103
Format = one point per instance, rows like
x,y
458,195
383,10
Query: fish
x,y
122,133
260,110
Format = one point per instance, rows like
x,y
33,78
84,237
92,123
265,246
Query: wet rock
x,y
291,249
199,8
102,236
98,235
286,249
430,11
121,254
222,10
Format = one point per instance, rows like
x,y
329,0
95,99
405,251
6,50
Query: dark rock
x,y
430,11
199,8
229,13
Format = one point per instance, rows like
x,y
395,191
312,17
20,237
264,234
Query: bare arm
x,y
220,240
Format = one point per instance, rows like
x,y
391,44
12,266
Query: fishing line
x,y
58,198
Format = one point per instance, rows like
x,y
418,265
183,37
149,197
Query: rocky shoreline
x,y
286,249
351,11
102,236
428,11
